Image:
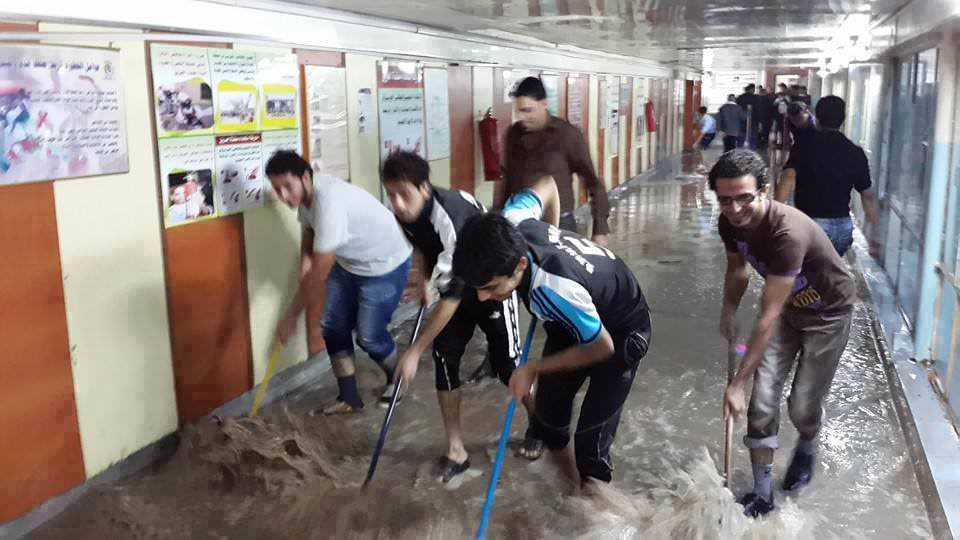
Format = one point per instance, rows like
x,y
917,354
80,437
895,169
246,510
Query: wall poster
x,y
551,83
400,97
234,75
249,99
239,173
279,77
182,91
61,114
187,179
436,85
327,120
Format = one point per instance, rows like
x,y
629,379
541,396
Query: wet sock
x,y
349,392
763,481
805,447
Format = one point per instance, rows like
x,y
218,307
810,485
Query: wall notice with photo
x,y
249,99
400,99
61,114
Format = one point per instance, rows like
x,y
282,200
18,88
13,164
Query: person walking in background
x,y
540,143
764,114
778,111
708,130
821,173
731,121
802,123
749,102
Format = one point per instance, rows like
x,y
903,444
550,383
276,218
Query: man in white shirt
x,y
355,260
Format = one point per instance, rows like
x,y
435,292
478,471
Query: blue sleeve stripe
x,y
550,310
588,326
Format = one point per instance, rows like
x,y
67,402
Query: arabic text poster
x,y
239,162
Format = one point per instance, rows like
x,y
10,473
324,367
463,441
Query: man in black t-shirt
x,y
823,169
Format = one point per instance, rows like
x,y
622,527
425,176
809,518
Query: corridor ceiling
x,y
712,35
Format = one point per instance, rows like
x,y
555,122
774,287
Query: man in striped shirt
x,y
596,319
431,218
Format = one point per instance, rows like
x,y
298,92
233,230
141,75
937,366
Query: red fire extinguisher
x,y
490,146
651,118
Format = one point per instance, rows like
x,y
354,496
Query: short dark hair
x,y
831,111
731,97
405,166
287,161
737,163
488,247
796,107
531,87
703,110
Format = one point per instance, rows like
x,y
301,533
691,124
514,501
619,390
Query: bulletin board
x,y
220,115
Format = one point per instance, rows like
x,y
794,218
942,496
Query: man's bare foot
x,y
337,407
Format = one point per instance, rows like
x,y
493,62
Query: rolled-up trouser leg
x,y
823,338
763,414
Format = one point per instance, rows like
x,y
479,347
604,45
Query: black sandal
x,y
448,469
531,449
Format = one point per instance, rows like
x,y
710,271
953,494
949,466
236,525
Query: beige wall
x,y
113,281
364,149
482,100
272,242
593,122
440,173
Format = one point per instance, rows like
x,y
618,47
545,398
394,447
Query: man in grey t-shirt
x,y
355,261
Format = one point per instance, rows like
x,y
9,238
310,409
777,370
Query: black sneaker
x,y
756,506
800,471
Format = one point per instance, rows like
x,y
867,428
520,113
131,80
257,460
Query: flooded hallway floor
x,y
290,475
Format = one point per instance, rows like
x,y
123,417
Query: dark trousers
x,y
609,385
730,142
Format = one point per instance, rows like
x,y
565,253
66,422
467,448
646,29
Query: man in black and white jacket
x,y
431,218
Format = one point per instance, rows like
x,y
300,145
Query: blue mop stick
x,y
502,447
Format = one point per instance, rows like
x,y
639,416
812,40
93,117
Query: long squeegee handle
x,y
271,367
502,447
393,405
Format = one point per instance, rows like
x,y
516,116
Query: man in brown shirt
x,y
804,318
543,145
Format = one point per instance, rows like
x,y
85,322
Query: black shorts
x,y
497,320
610,383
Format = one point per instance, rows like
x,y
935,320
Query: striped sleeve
x,y
568,303
448,284
522,206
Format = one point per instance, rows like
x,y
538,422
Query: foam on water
x,y
683,503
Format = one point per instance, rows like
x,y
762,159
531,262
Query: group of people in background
x,y
476,266
756,117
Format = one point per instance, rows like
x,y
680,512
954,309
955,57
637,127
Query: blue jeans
x,y
839,231
364,304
